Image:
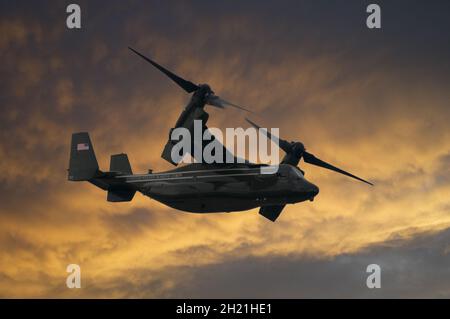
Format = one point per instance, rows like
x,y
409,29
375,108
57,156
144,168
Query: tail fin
x,y
120,164
120,193
83,164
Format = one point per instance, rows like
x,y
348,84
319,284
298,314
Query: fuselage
x,y
210,188
200,188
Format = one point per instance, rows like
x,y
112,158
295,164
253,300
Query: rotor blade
x,y
283,144
219,102
311,159
236,106
188,86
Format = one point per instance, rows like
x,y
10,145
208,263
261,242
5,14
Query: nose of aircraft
x,y
311,189
314,189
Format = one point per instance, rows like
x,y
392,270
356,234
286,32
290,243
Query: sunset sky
x,y
374,102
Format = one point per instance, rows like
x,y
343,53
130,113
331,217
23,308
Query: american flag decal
x,y
82,147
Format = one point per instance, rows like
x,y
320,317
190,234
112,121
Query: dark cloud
x,y
417,268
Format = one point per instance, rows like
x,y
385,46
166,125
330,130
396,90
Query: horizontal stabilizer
x,y
271,212
119,195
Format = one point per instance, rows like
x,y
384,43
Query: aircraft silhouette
x,y
201,187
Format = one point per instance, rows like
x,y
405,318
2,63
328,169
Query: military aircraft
x,y
200,187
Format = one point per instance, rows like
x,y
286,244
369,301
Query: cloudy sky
x,y
375,102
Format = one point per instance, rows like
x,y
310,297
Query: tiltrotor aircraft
x,y
200,187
